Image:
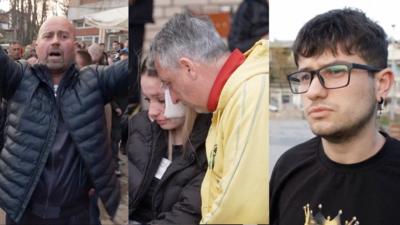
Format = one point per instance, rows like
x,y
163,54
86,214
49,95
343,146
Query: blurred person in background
x,y
30,55
110,57
15,50
82,58
250,24
29,51
116,46
124,53
97,53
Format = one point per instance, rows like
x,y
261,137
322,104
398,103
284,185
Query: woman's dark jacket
x,y
31,125
176,198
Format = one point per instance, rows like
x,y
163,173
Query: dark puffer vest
x,y
176,198
31,126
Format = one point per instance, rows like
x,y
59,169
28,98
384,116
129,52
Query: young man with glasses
x,y
350,170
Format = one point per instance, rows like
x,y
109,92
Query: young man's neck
x,y
363,145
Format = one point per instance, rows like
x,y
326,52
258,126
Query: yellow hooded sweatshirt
x,y
235,187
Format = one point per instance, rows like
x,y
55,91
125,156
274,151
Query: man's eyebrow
x,y
44,33
333,62
57,32
307,68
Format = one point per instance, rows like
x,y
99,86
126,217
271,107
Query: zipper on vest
x,y
52,155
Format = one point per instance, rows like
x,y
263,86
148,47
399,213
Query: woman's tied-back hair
x,y
349,30
148,66
186,36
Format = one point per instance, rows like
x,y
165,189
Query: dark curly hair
x,y
348,30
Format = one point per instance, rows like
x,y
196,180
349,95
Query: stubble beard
x,y
56,67
347,129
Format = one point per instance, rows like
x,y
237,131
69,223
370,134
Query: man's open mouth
x,y
55,54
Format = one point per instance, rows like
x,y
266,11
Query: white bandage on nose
x,y
173,110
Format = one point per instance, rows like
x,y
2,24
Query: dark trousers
x,y
94,210
81,218
115,138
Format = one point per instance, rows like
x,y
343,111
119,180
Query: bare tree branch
x,y
26,18
65,6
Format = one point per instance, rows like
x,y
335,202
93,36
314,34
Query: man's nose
x,y
316,90
55,40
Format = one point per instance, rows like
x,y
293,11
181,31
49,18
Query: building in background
x,y
393,101
20,19
6,32
89,32
281,64
219,11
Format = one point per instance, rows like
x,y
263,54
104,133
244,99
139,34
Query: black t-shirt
x,y
64,180
369,190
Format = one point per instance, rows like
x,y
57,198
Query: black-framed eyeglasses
x,y
331,76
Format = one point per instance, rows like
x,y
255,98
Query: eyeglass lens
x,y
334,76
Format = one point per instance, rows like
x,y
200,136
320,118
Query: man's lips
x,y
55,53
54,56
318,111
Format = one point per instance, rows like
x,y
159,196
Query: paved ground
x,y
122,214
285,134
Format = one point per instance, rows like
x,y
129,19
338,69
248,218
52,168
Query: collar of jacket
x,y
44,75
200,129
158,139
235,59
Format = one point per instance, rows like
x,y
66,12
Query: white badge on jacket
x,y
173,110
162,168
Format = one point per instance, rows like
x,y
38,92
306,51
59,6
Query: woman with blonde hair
x,y
167,161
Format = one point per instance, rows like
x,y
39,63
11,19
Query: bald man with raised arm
x,y
55,146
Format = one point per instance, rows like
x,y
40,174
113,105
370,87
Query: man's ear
x,y
188,67
384,80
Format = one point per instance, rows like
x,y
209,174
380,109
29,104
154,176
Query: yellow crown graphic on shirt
x,y
319,218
